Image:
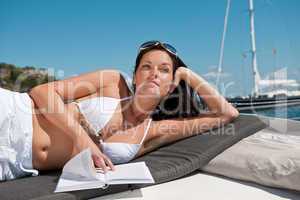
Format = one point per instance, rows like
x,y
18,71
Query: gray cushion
x,y
270,157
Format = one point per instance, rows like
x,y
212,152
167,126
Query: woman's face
x,y
154,74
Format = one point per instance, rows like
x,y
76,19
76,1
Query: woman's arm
x,y
50,100
167,131
216,103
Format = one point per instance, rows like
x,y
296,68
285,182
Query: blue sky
x,y
79,36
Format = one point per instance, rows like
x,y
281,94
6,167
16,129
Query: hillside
x,y
22,79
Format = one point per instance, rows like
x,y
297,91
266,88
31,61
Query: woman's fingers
x,y
99,162
103,165
103,162
175,82
172,87
109,163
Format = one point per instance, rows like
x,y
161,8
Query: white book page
x,y
80,173
71,185
80,166
129,173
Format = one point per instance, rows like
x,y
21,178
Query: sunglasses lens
x,y
149,44
152,43
170,48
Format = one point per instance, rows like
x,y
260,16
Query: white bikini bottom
x,y
15,135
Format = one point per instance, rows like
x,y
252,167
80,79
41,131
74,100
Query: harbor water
x,y
290,112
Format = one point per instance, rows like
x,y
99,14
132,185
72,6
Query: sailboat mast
x,y
220,65
253,49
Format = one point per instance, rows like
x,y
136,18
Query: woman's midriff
x,y
51,148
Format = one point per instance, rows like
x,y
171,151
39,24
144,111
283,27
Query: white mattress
x,y
204,186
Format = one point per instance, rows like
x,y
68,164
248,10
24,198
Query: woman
x,y
98,110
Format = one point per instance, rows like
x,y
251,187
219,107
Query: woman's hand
x,y
181,73
100,160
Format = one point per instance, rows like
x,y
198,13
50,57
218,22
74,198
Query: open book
x,y
79,173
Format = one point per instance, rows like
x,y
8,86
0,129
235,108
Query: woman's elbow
x,y
232,114
36,90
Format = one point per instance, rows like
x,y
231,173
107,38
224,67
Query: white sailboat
x,y
267,93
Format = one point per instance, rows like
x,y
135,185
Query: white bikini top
x,y
97,112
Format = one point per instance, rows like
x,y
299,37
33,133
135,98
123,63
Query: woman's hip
x,y
15,135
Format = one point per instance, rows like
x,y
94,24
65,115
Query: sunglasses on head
x,y
154,43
